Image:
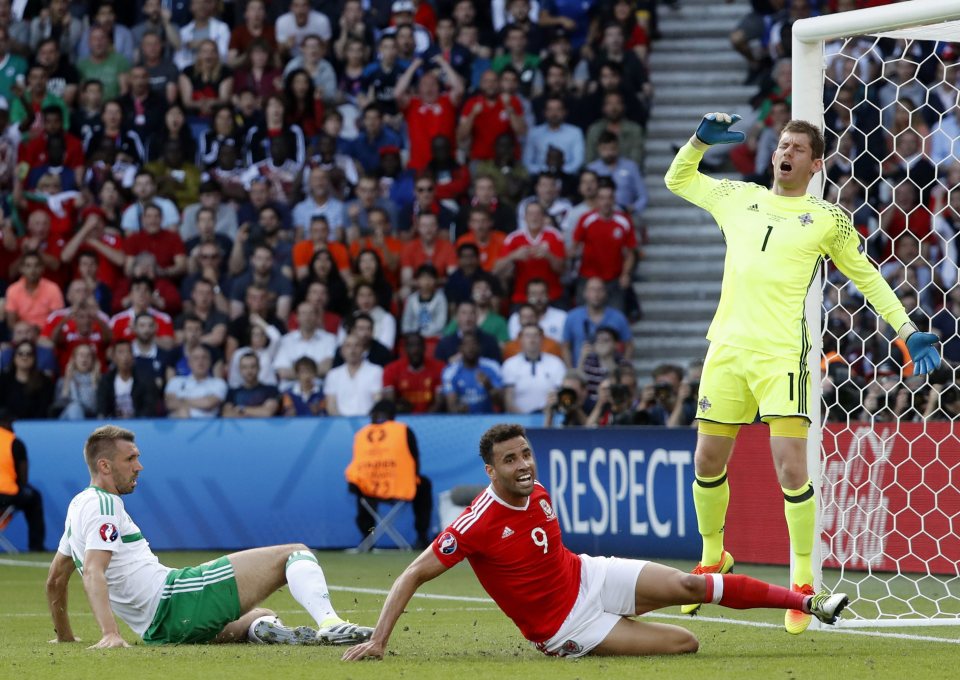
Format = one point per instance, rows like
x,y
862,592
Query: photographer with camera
x,y
684,412
565,406
616,399
659,399
599,356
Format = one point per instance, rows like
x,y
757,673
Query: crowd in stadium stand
x,y
294,207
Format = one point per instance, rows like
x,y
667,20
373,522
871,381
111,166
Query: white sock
x,y
308,586
251,635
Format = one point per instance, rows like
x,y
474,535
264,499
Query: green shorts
x,y
197,602
737,383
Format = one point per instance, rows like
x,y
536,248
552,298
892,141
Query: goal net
x,y
884,84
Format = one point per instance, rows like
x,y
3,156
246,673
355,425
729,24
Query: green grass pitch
x,y
455,639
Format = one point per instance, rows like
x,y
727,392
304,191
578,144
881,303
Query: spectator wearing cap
x,y
630,192
629,134
535,251
425,309
224,216
426,248
430,113
93,238
105,64
406,13
556,133
373,137
291,28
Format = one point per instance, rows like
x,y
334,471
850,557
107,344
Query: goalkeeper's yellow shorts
x,y
737,384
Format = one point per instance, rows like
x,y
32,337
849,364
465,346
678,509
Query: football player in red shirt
x,y
567,604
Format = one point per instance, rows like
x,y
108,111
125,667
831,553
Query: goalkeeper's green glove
x,y
925,358
715,129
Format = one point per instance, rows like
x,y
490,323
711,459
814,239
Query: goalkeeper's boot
x,y
724,566
272,632
794,620
827,607
336,631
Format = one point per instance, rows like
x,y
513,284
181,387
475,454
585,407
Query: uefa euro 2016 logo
x,y
109,532
447,543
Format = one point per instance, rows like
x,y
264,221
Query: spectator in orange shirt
x,y
489,242
32,297
319,239
427,248
387,248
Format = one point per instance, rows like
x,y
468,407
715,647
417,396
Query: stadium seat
x,y
5,518
384,525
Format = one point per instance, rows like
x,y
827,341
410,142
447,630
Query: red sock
x,y
737,591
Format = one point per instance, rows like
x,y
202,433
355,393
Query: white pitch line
x,y
487,600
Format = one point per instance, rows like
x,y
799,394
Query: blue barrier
x,y
621,491
228,484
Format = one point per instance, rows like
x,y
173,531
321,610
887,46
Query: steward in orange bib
x,y
386,466
14,489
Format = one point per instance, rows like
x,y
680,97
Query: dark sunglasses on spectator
x,y
24,353
424,189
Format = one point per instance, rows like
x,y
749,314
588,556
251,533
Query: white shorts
x,y
608,587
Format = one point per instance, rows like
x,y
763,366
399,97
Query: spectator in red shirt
x,y
452,179
82,326
414,381
105,246
429,114
166,245
487,115
37,240
427,248
534,252
606,243
141,295
34,152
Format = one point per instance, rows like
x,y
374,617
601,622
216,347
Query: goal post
x,y
887,533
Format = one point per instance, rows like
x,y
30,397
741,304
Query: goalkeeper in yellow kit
x,y
757,361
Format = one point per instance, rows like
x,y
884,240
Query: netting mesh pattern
x,y
890,498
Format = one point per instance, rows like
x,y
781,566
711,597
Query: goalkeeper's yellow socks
x,y
800,509
711,495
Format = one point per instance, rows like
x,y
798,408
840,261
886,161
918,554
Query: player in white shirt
x,y
530,376
213,602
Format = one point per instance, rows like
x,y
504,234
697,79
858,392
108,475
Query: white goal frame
x,y
927,20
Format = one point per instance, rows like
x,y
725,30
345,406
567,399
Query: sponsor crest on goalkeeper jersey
x,y
805,219
704,404
547,509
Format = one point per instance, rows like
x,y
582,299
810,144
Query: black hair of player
x,y
498,433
